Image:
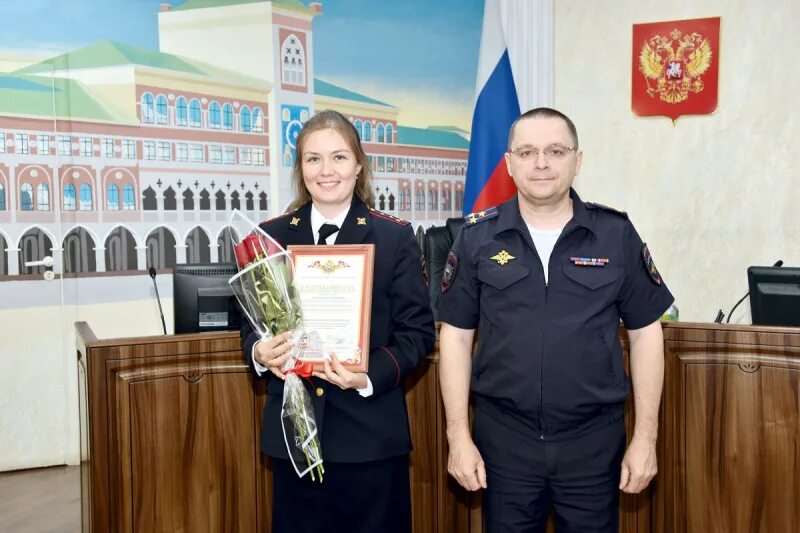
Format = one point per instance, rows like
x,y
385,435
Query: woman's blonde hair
x,y
329,119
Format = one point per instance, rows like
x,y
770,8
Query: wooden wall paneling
x,y
421,393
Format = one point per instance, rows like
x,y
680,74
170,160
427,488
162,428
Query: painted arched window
x,y
128,197
293,61
258,120
79,254
149,202
214,116
419,199
205,201
195,115
389,134
227,117
2,197
380,133
357,124
162,111
43,197
245,123
69,197
405,199
181,112
85,203
112,198
170,201
367,131
459,199
188,199
148,113
26,197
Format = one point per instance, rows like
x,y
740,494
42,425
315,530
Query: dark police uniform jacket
x,y
353,428
549,357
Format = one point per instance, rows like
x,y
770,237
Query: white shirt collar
x,y
318,219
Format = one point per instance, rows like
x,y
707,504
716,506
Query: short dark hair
x,y
545,112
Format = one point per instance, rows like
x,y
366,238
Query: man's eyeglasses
x,y
551,153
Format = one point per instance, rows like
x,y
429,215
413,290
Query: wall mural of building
x,y
129,131
115,157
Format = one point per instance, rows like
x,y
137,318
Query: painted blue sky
x,y
401,49
411,42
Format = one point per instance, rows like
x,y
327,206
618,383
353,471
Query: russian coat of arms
x,y
675,67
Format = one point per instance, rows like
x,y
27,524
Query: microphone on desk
x,y
152,272
778,263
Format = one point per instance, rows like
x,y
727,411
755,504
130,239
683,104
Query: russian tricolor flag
x,y
488,182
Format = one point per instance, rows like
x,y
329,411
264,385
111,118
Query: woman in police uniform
x,y
362,418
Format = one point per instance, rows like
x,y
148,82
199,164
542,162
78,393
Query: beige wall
x,y
41,428
711,194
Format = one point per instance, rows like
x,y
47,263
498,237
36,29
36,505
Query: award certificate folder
x,y
335,288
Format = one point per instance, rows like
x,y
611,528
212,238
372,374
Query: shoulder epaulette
x,y
595,205
390,218
276,217
480,216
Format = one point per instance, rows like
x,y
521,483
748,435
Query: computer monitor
x,y
202,298
774,295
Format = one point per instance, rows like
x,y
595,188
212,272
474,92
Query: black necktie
x,y
325,231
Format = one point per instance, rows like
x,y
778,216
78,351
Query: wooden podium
x,y
172,426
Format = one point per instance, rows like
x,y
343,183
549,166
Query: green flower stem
x,y
280,309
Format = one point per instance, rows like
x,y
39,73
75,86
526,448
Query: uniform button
x,y
319,391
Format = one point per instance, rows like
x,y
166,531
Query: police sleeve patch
x,y
449,274
650,265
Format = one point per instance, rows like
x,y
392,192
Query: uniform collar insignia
x,y
503,257
361,221
295,221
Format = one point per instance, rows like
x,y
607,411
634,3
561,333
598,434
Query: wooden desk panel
x,y
733,425
173,427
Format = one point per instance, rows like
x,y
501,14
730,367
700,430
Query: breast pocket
x,y
593,278
589,291
500,278
503,290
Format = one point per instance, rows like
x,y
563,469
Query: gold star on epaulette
x,y
480,216
361,221
295,221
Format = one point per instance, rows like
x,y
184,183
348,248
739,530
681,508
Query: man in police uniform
x,y
546,278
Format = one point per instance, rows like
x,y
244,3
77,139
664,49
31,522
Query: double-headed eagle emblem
x,y
676,64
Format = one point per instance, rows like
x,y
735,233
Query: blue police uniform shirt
x,y
549,357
